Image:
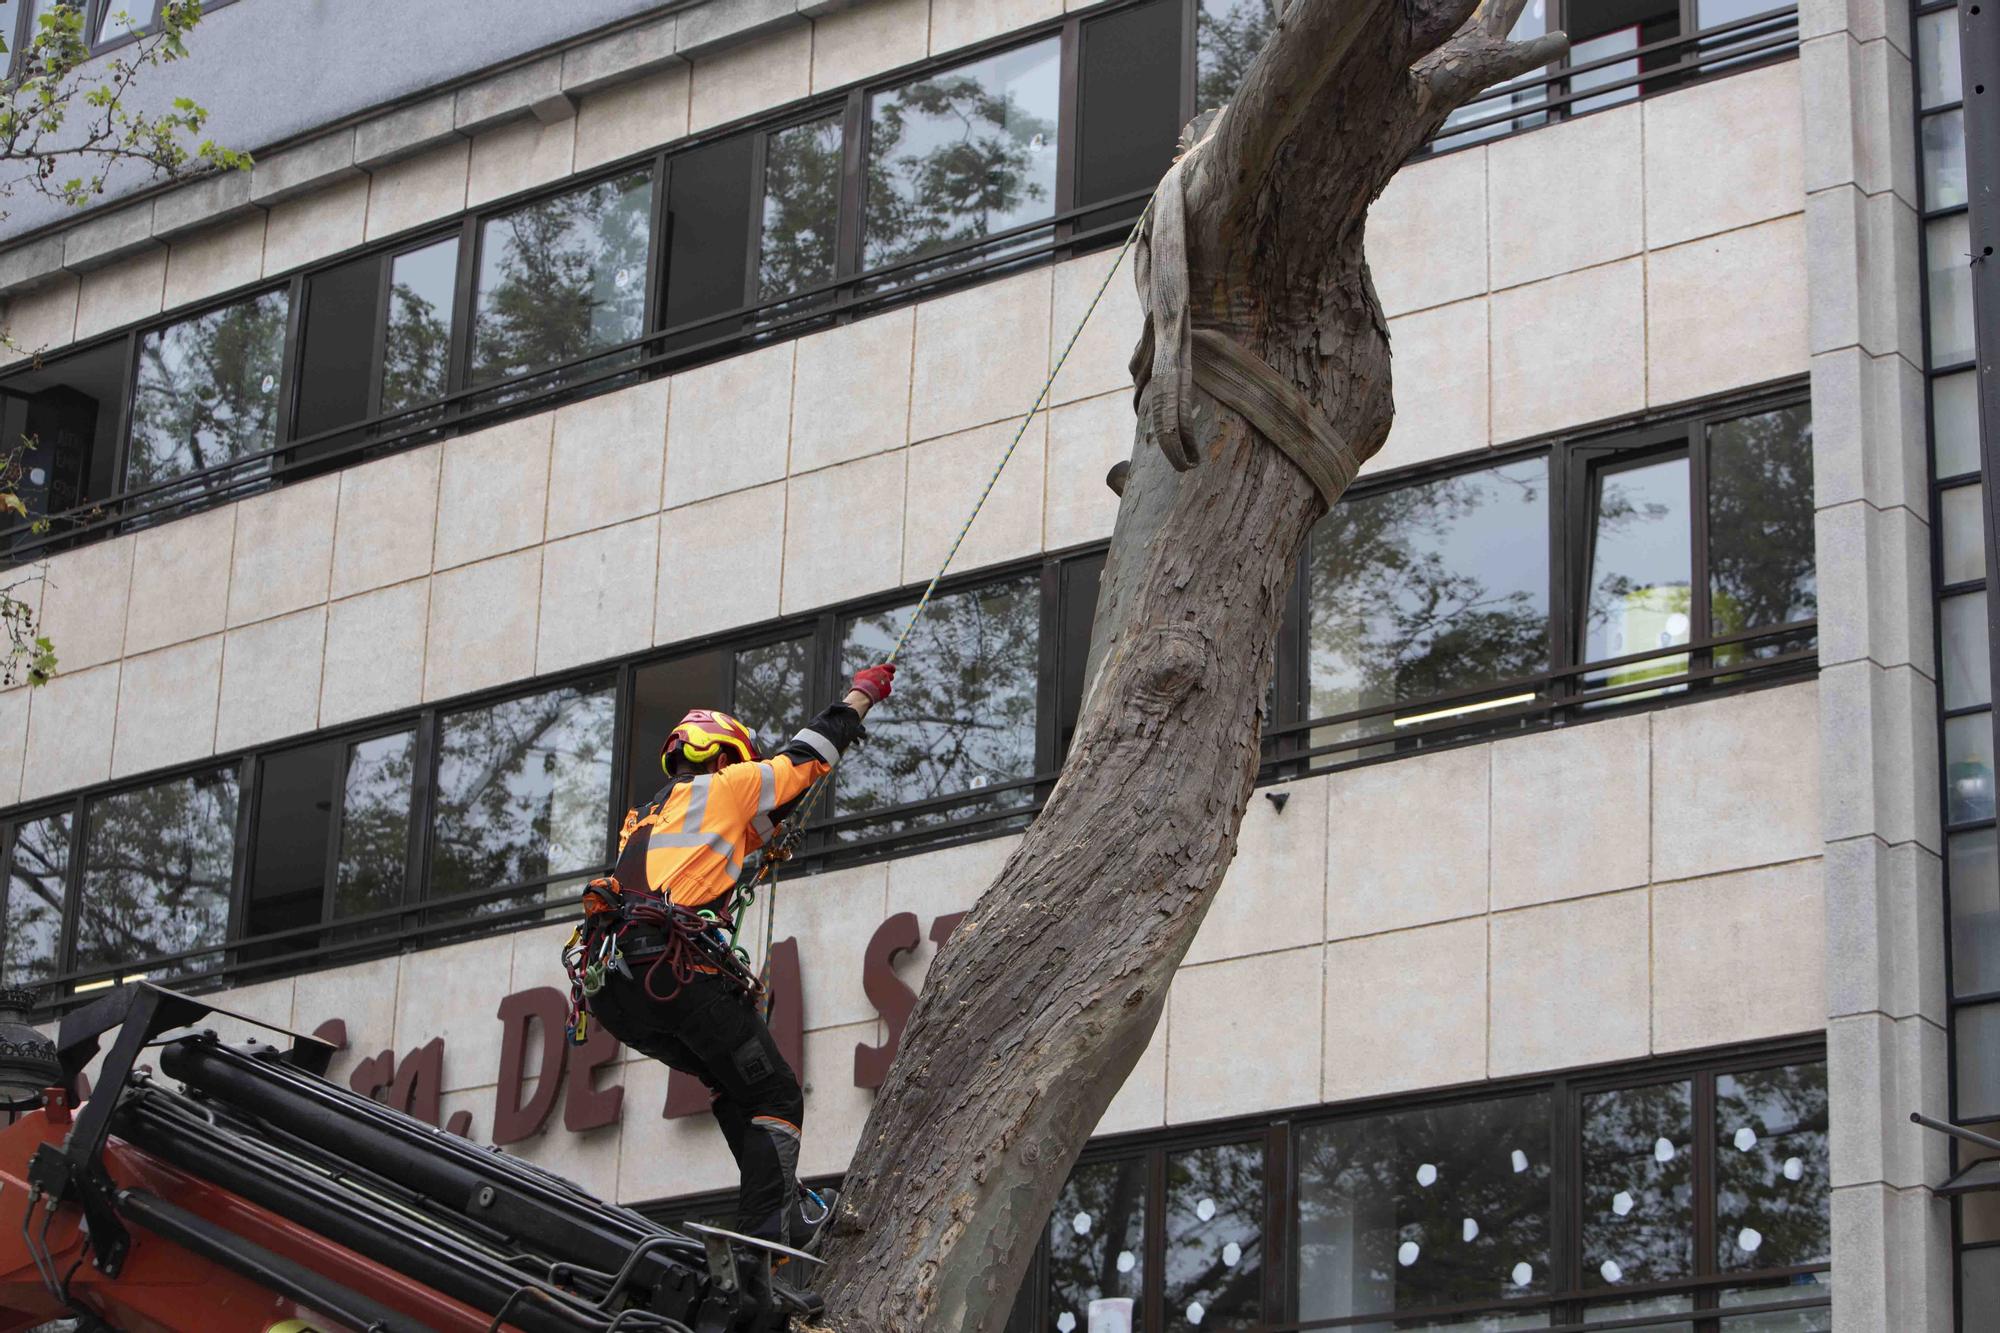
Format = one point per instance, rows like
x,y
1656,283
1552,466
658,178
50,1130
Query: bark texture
x,y
1050,988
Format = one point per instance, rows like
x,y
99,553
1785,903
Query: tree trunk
x,y
1050,988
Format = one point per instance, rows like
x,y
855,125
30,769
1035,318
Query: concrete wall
x,y
1635,886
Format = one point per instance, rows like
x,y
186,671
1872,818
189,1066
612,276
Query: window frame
x,y
1563,694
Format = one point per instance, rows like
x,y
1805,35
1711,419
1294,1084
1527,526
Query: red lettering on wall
x,y
513,1119
585,1105
687,1095
414,1087
886,991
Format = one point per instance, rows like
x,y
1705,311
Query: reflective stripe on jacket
x,y
688,843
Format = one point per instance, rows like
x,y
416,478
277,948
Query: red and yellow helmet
x,y
703,734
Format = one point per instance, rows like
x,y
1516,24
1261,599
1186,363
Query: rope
x,y
768,869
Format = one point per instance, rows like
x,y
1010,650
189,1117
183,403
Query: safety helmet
x,y
703,734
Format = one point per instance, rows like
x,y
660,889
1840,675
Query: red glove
x,y
875,681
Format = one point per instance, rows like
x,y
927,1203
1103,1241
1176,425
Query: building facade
x,y
1622,873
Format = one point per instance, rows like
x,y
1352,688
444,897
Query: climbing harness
x,y
684,941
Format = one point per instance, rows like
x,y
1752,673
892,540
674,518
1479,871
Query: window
x,y
342,305
207,390
767,687
158,868
801,217
969,720
708,235
63,417
418,328
1128,107
1228,36
338,813
561,278
1429,589
1571,1200
1442,1206
1640,586
961,154
523,794
1761,568
1599,32
118,19
37,881
1096,1238
1528,91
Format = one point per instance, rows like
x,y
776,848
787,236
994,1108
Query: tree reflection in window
x,y
1097,1239
962,154
523,792
1638,1185
37,877
207,390
1228,36
1428,589
1215,1237
1439,1206
1761,559
966,721
375,826
416,343
801,207
772,684
1772,1205
561,277
158,864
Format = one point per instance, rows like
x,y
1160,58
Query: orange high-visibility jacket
x,y
688,843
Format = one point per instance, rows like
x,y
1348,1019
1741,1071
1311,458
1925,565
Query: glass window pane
x,y
523,792
1780,1321
1968,667
1438,1206
375,824
1947,252
336,338
1228,36
1215,1237
122,18
662,694
1128,105
1638,1185
157,868
1642,1307
1640,567
561,277
710,192
1600,33
968,720
1429,589
801,207
1979,1273
1760,521
288,849
1097,1239
773,689
1944,159
37,880
416,342
1937,58
962,154
1962,532
1973,864
207,392
63,418
1773,1198
1968,758
1976,1044
1955,423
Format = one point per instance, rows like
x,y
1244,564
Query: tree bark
x,y
1047,993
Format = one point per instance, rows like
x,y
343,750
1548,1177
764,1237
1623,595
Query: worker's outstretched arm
x,y
805,758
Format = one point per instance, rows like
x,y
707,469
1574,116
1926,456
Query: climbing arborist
x,y
659,934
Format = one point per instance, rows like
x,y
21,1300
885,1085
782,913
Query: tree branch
x,y
1478,56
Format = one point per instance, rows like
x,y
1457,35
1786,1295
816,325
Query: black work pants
x,y
710,1028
